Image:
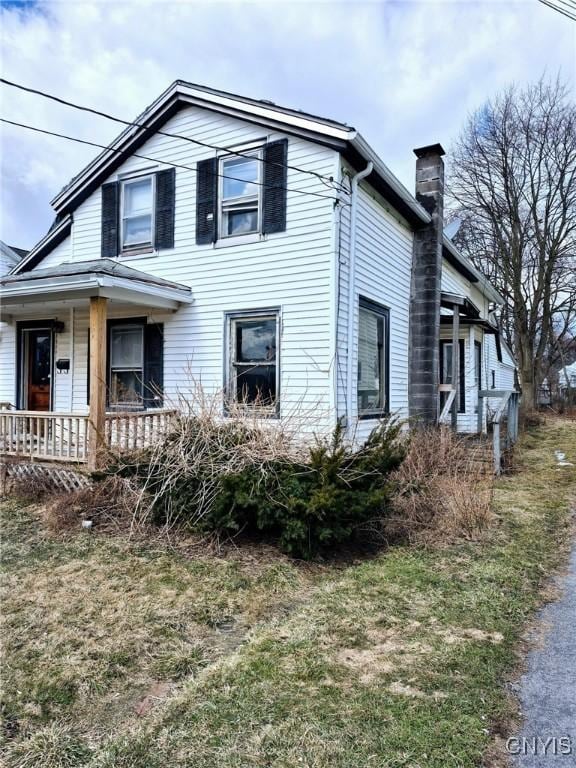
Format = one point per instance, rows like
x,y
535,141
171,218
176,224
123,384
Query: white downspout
x,y
356,179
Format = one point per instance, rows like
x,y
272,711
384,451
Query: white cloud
x,y
404,73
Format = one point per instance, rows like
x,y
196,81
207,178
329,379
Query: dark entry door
x,y
39,365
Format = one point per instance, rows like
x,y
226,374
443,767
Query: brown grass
x,y
444,490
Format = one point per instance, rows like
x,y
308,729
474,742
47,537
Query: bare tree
x,y
513,181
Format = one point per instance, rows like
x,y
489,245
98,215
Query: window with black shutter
x,y
242,194
135,362
138,213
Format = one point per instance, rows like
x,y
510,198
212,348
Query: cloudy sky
x,y
404,72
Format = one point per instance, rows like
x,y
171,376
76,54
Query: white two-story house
x,y
261,253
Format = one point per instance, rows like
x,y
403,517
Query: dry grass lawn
x,y
124,655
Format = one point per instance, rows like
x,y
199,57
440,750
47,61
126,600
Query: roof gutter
x,y
362,146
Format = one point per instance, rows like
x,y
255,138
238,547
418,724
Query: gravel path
x,y
547,691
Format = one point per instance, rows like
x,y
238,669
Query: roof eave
x,y
394,191
469,271
50,240
70,287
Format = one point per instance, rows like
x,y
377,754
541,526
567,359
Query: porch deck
x,y
48,436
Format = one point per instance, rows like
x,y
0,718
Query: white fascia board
x,y
269,112
386,174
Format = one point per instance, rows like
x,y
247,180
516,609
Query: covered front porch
x,y
82,346
469,398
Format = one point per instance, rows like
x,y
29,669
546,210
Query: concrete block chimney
x,y
424,344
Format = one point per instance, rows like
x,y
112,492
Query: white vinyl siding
x,y
291,270
383,273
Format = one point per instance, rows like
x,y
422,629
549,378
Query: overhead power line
x,y
327,180
162,162
565,7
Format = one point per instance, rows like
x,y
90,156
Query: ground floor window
x,y
127,365
373,330
135,364
253,359
446,372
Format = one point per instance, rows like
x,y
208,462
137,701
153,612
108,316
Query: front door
x,y
38,369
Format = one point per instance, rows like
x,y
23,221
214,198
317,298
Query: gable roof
x,y
180,94
325,131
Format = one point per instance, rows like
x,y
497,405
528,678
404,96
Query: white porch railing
x,y
133,430
44,435
64,436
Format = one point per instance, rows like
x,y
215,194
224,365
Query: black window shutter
x,y
274,190
153,365
206,200
110,220
165,201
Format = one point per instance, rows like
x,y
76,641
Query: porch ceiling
x,y
82,280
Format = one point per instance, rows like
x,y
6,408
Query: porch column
x,y
97,417
455,363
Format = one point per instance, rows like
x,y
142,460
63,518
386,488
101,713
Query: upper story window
x,y
240,195
372,359
137,212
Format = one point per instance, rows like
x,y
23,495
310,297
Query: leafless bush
x,y
203,445
444,489
109,504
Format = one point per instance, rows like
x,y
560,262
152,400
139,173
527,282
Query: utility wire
x,y
564,12
327,180
162,162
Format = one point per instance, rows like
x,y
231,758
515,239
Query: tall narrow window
x,y
254,360
137,212
240,195
126,365
446,372
372,359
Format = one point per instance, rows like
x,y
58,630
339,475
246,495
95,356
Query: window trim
x,y
138,247
114,323
258,154
271,412
383,311
461,370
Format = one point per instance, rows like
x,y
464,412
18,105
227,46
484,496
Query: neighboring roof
x,y
102,277
59,231
21,252
11,253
